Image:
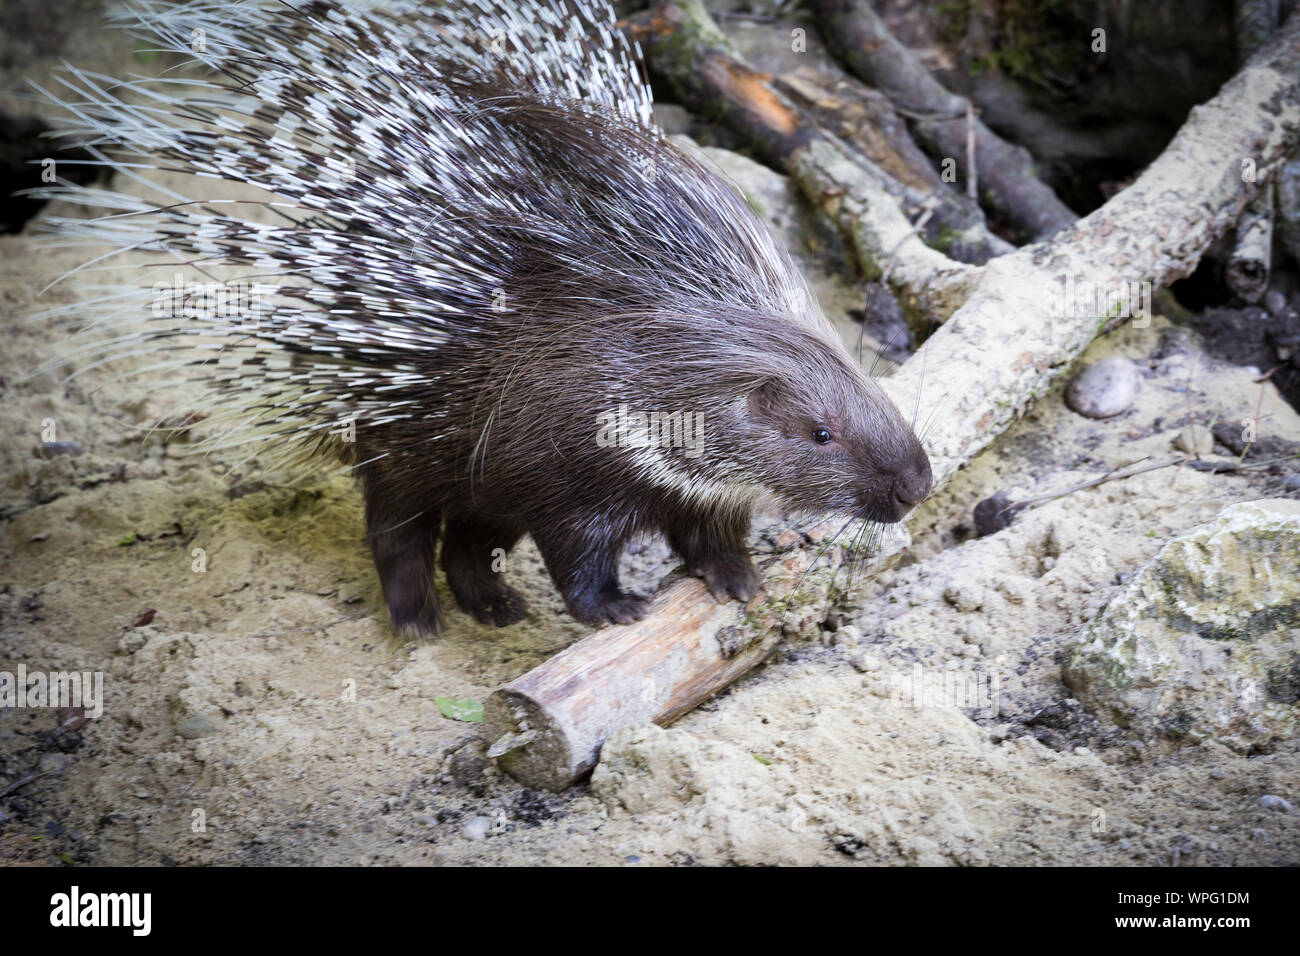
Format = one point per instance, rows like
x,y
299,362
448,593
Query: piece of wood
x,y
861,41
998,353
684,46
1251,259
547,727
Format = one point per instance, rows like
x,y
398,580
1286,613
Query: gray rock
x,y
1105,389
477,829
52,449
1275,301
1195,441
1205,640
1270,802
194,726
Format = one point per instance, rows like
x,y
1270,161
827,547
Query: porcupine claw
x,y
730,576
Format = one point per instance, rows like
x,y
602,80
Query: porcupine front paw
x,y
714,550
728,576
610,606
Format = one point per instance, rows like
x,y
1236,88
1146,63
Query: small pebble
x,y
1291,483
1195,441
995,513
52,449
847,636
1270,802
964,597
53,763
1105,389
477,829
1275,301
195,726
865,663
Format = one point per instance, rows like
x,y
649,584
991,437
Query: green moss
x,y
1043,42
955,17
947,236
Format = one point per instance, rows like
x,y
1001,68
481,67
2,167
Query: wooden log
x,y
1287,194
861,41
547,727
1251,259
1000,352
863,120
685,47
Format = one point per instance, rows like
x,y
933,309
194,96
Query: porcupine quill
x,y
480,253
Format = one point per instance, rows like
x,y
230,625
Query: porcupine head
x,y
534,313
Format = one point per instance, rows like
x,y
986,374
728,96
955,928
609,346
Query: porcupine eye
x,y
821,436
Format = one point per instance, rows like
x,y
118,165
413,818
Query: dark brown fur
x,y
656,295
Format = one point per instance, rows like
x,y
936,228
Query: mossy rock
x,y
1205,640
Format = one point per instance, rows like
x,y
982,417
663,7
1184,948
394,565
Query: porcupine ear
x,y
764,402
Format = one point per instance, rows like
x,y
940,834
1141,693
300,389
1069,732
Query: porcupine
x,y
483,244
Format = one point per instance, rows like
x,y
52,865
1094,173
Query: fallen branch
x,y
547,727
1287,195
862,42
1018,332
862,120
998,353
684,46
1252,254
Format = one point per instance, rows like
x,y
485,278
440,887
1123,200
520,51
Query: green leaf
x,y
66,858
468,710
127,541
765,761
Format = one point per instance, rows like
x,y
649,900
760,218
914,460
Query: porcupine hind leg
x,y
404,547
582,555
473,550
714,548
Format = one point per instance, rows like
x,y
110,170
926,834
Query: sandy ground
x,y
266,715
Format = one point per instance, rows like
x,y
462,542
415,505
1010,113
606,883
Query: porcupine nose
x,y
912,483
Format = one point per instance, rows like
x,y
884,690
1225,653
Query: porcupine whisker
x,y
929,419
880,351
856,516
916,409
